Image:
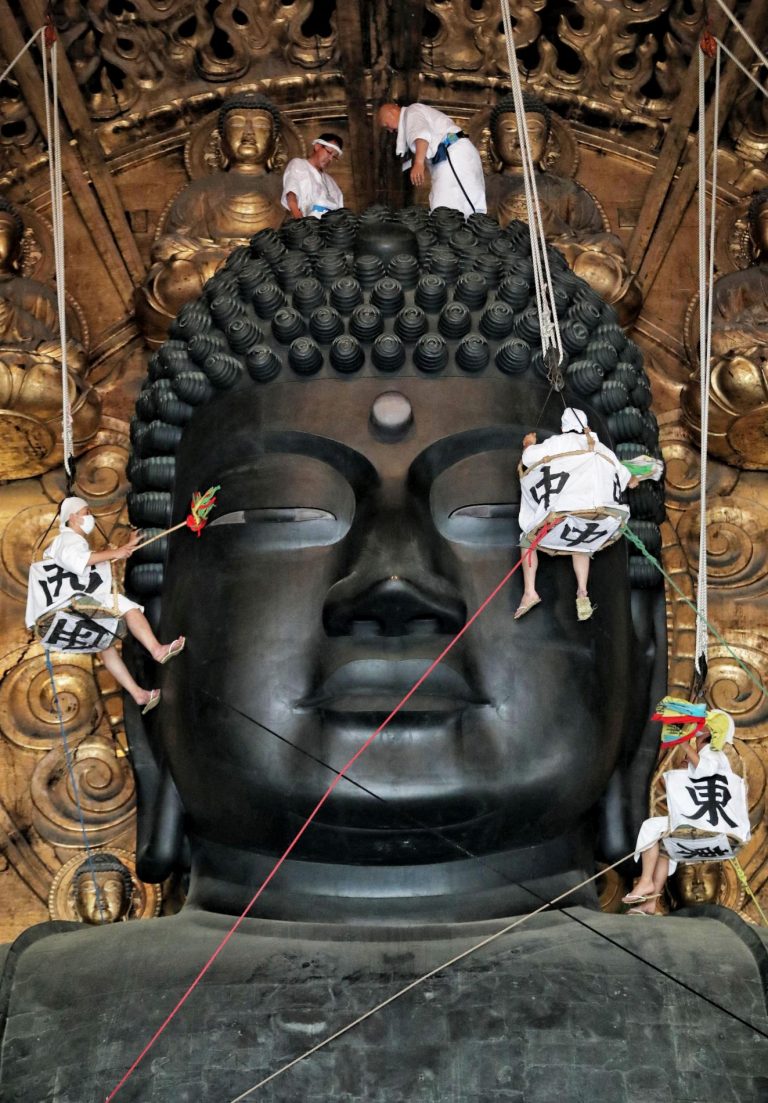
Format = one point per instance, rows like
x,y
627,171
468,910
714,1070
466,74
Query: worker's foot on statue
x,y
151,701
640,894
526,604
584,608
170,650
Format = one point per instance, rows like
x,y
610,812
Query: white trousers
x,y
469,168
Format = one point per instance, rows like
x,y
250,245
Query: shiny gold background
x,y
141,83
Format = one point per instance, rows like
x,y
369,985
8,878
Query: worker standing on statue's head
x,y
308,190
434,139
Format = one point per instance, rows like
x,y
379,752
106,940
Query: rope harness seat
x,y
578,494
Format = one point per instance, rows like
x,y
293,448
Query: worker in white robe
x,y
71,551
308,190
436,141
703,761
575,436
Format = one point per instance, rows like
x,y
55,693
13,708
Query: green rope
x,y
633,539
745,883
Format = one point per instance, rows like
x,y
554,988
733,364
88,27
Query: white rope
x,y
432,972
760,87
545,302
744,34
706,296
53,137
21,52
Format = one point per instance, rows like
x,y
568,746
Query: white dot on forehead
x,y
391,413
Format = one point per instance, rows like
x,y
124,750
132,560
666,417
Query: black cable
x,y
453,170
437,833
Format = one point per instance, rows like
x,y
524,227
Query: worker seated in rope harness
x,y
708,816
434,138
74,607
574,480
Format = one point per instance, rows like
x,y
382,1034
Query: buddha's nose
x,y
394,607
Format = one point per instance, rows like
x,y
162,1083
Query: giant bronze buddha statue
x,y
571,217
366,441
211,215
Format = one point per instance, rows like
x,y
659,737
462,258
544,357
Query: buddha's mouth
x,y
379,685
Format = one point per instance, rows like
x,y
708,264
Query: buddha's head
x,y
758,225
103,889
698,882
504,130
366,444
248,127
11,233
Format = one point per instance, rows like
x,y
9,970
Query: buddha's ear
x,y
159,811
624,805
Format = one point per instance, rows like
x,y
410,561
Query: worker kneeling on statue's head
x,y
572,488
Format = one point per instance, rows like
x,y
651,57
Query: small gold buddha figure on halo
x,y
103,889
698,882
572,219
739,369
30,365
210,216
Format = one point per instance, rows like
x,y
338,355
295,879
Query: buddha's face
x,y
698,882
247,136
10,239
341,564
507,142
112,904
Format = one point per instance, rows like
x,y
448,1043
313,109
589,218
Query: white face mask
x,y
87,523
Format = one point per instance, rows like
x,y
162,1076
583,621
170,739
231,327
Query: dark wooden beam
x,y
672,148
350,33
732,84
81,124
74,171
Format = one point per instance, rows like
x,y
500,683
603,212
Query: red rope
x,y
172,1014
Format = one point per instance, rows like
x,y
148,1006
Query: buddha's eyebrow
x,y
354,467
445,453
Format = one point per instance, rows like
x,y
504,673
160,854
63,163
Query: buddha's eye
x,y
272,515
493,511
275,528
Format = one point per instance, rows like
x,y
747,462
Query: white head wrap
x,y
67,508
328,145
573,420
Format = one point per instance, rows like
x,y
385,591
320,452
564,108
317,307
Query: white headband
x,y
328,145
68,507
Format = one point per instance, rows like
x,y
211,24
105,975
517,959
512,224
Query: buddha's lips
x,y
379,685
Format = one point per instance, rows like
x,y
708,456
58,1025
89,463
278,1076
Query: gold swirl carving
x,y
105,787
683,473
28,715
146,900
731,689
737,554
101,476
681,626
22,541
